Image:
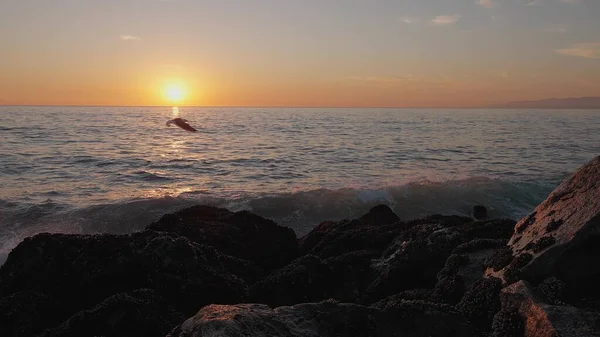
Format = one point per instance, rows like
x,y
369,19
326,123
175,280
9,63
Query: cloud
x,y
540,2
488,3
381,79
534,3
443,20
130,38
587,50
409,20
556,29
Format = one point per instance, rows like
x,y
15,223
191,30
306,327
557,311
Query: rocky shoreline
x,y
206,271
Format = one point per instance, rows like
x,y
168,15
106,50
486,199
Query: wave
x,y
300,210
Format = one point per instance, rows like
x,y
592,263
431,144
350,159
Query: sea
x,y
117,169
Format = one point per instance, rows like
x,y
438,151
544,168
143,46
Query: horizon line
x,y
493,107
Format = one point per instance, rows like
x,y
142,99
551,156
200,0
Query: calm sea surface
x,y
97,169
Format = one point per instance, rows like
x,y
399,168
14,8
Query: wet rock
x,y
427,318
307,279
420,252
311,279
325,319
140,313
508,323
545,320
552,291
481,302
243,234
373,231
562,236
479,212
351,275
28,313
408,295
449,289
83,270
500,259
475,255
464,268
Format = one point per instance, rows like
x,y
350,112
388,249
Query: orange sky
x,y
447,53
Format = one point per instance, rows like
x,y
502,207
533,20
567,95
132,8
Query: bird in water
x,y
182,123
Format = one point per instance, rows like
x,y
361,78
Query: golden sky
x,y
409,53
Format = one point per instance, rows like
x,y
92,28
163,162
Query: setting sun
x,y
175,93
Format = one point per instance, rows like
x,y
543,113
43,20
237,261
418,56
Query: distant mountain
x,y
555,103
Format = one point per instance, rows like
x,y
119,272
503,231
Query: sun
x,y
175,93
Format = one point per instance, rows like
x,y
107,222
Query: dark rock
x,y
311,279
307,279
140,313
424,318
373,231
420,252
28,313
562,237
409,295
481,302
464,268
544,320
351,275
380,215
552,291
512,273
479,212
449,289
242,234
325,319
508,323
500,259
84,270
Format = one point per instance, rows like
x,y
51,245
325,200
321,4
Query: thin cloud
x,y
444,20
541,2
587,50
130,38
556,29
409,20
534,3
488,3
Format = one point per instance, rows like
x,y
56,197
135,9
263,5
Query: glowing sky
x,y
298,52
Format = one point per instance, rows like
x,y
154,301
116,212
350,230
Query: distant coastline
x,y
553,103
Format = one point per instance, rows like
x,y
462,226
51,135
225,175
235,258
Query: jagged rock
x,y
351,275
481,302
408,295
373,231
479,212
242,234
544,320
325,319
420,252
562,237
27,313
140,313
311,279
464,267
83,270
307,279
507,323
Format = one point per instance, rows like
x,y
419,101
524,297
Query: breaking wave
x,y
300,211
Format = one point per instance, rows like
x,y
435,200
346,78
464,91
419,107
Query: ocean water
x,y
116,169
